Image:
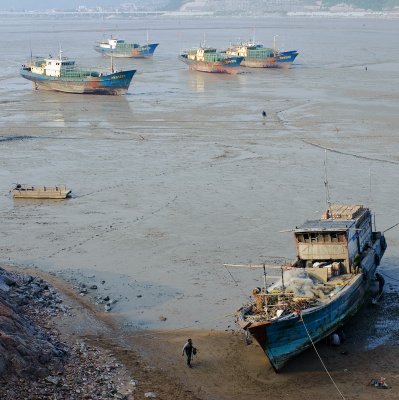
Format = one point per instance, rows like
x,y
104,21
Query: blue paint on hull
x,y
113,84
286,56
279,60
227,65
144,51
283,338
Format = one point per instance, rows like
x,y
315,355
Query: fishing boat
x,y
208,59
61,74
119,48
40,192
337,257
258,56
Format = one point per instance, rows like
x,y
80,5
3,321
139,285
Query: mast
x,y
328,201
264,278
274,44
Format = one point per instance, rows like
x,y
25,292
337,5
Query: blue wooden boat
x,y
257,56
115,47
208,59
337,257
61,74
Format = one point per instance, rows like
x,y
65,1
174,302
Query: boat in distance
x,y
115,47
258,56
208,59
337,257
61,74
40,192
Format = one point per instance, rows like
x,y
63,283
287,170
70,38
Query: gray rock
x,y
55,380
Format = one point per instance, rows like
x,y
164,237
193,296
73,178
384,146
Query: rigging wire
x,y
235,281
388,276
393,226
318,355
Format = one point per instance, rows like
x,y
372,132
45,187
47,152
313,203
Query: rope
x,y
235,281
393,226
318,355
390,277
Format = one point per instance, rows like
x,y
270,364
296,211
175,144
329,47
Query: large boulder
x,y
25,349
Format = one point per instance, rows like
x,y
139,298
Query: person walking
x,y
189,350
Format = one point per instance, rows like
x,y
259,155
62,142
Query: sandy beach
x,y
183,175
225,367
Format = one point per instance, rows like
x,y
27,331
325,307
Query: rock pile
x,y
25,348
35,363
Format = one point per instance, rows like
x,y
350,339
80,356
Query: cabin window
x,y
313,238
327,238
334,237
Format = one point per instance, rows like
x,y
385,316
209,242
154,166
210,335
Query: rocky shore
x,y
48,349
37,362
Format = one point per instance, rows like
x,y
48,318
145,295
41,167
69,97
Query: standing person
x,y
189,349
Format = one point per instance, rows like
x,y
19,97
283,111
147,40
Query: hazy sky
x,y
59,4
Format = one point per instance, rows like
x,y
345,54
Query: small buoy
x,y
264,114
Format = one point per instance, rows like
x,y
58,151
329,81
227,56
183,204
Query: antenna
x,y
112,63
370,185
60,51
274,44
264,279
204,41
328,201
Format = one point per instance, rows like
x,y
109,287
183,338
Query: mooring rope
x,y
318,355
388,276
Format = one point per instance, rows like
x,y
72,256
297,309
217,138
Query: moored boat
x,y
258,56
115,47
61,74
208,59
337,257
40,192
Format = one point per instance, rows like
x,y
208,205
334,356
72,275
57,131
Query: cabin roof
x,y
326,225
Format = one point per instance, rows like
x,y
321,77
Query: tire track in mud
x,y
111,228
380,160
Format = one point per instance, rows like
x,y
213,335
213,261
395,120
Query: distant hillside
x,y
261,6
376,5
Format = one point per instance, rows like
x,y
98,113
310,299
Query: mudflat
x,y
183,174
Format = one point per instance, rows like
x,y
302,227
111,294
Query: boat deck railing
x,y
71,73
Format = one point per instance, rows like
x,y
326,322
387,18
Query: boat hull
x,y
284,338
226,66
33,192
282,60
112,84
146,51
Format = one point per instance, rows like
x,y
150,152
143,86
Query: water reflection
x,y
65,110
200,82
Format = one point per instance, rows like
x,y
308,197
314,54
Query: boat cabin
x,y
333,245
52,66
111,43
204,54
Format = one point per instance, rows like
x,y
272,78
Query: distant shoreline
x,y
282,14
